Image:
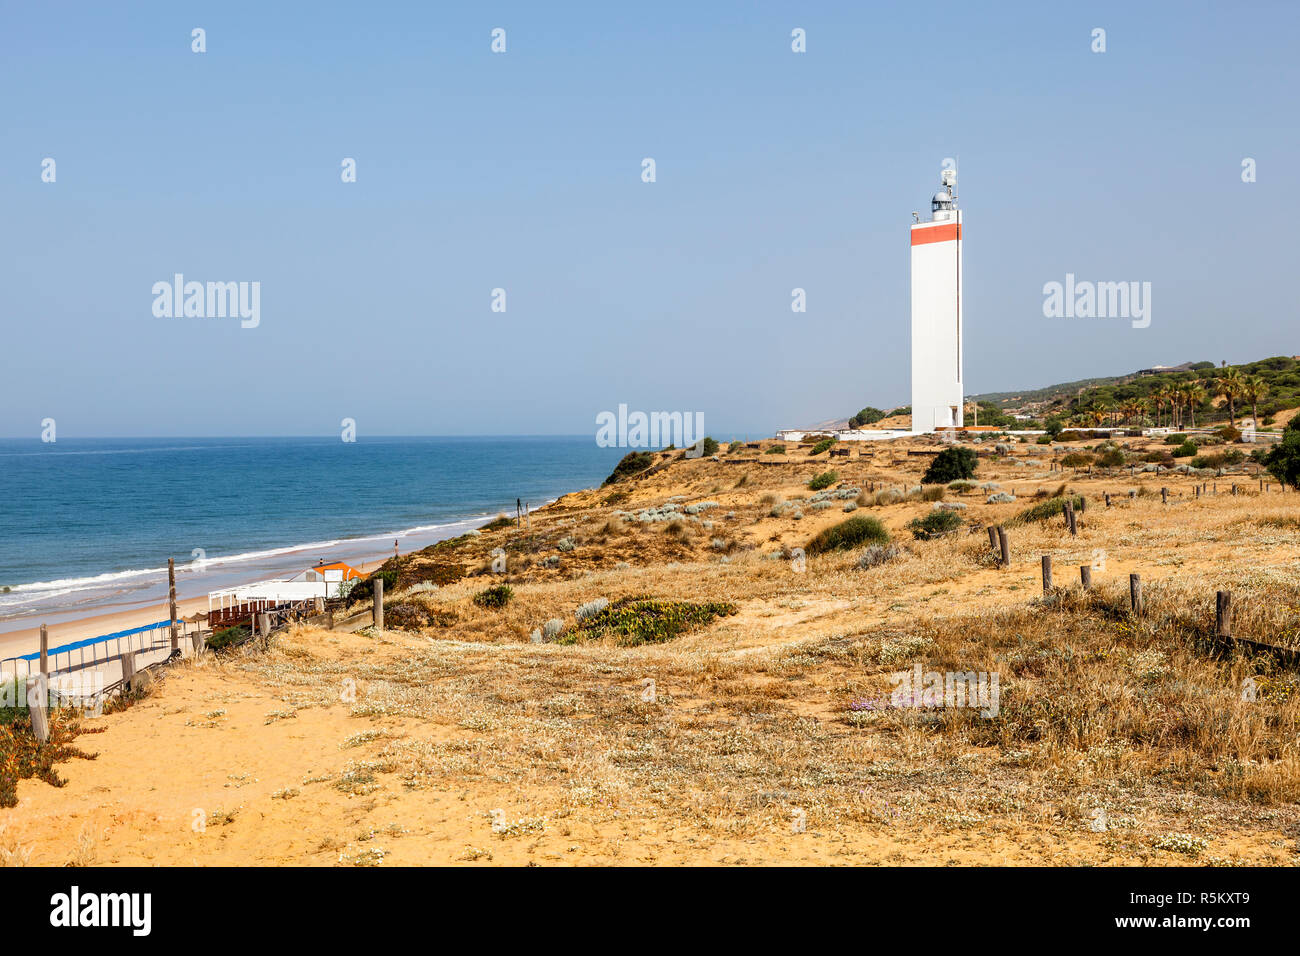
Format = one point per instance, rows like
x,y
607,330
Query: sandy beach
x,y
26,640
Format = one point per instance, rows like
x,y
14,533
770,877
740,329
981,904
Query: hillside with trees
x,y
1198,394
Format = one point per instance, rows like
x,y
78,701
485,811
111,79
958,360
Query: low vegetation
x,y
497,596
633,463
632,622
228,637
951,464
823,480
935,524
854,532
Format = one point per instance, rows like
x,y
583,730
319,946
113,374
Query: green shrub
x,y
227,636
1077,459
1175,439
824,480
1111,458
1046,509
1186,450
852,533
774,450
710,447
364,589
1283,459
633,621
497,596
1232,457
500,521
734,447
961,485
13,697
823,445
936,523
950,464
868,416
631,463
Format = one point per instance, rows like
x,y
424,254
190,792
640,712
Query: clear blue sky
x,y
522,171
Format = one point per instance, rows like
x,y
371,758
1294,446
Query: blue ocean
x,y
87,525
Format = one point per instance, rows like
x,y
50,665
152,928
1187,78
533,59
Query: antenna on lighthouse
x,y
944,202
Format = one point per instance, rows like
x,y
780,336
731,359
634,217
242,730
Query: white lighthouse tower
x,y
937,397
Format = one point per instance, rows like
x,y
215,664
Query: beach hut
x,y
331,573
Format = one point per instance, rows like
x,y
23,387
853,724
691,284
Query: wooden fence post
x,y
37,704
1047,574
128,670
1083,504
993,538
1223,616
1070,519
1085,576
379,604
1135,593
1004,546
1107,494
1164,496
45,651
171,601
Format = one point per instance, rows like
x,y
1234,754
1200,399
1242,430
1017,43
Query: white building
x,y
937,396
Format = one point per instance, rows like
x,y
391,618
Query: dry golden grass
x,y
1101,711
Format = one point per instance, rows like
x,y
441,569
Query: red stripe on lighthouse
x,y
936,233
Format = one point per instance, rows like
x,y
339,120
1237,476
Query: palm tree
x,y
1184,391
1229,385
1195,396
1253,389
1162,396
